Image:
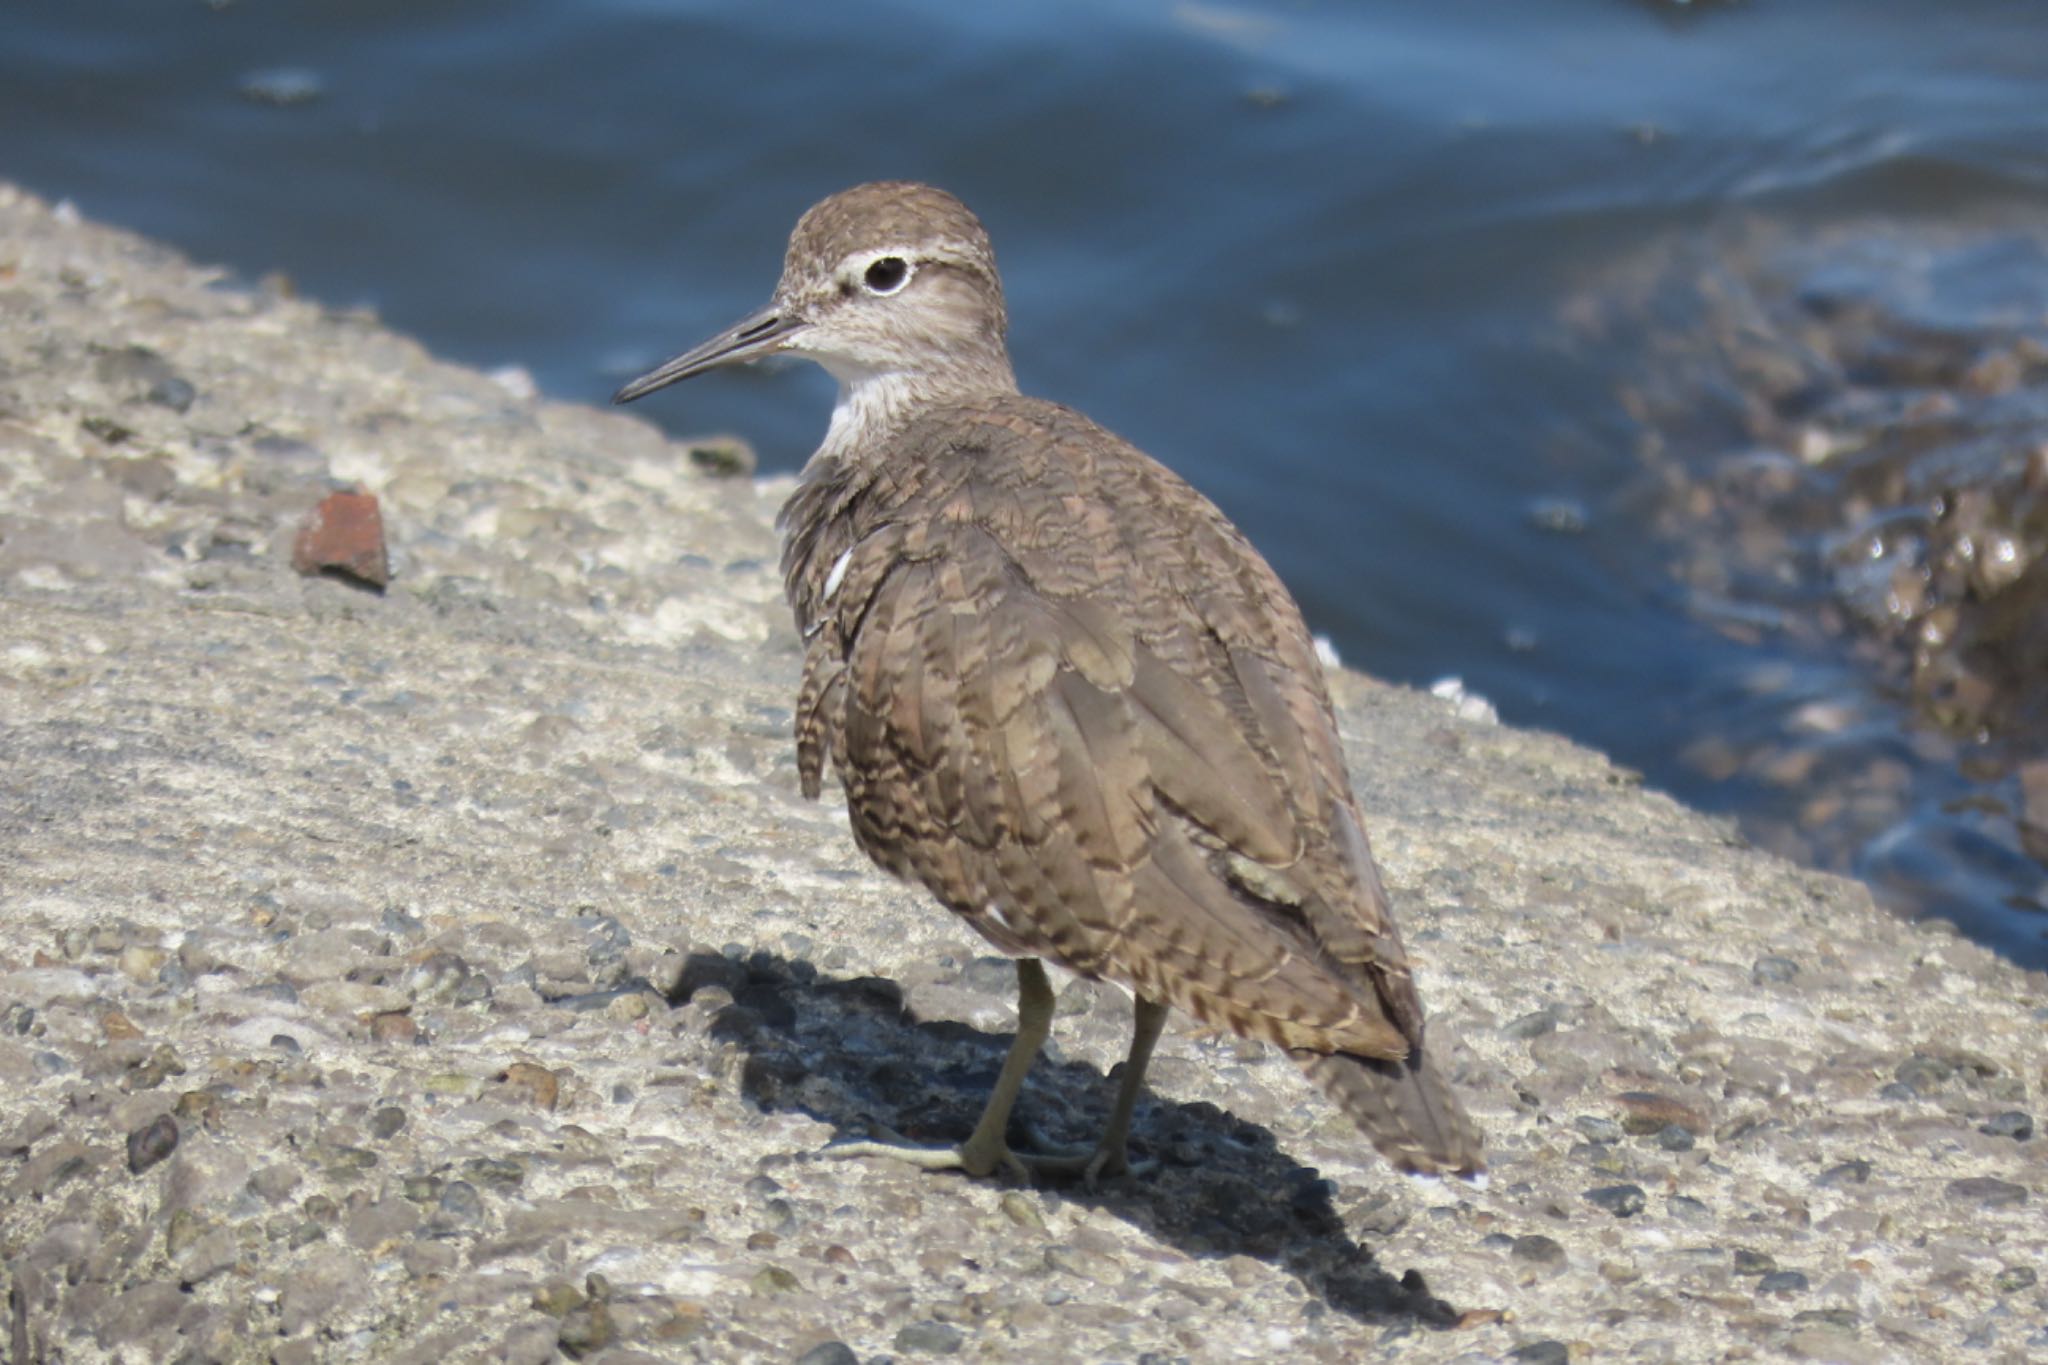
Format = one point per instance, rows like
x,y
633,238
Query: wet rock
x,y
387,1122
1548,1351
1782,1282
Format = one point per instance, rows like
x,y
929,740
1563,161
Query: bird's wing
x,y
1100,732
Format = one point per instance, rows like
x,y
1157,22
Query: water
x,y
1315,255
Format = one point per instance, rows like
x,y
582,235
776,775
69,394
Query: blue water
x,y
1312,254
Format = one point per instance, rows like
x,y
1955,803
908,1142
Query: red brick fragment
x,y
344,535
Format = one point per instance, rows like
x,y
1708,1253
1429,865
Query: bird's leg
x,y
1111,1155
988,1146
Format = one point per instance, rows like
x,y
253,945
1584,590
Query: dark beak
x,y
750,338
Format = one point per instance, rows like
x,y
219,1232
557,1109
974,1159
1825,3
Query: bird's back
x,y
1064,693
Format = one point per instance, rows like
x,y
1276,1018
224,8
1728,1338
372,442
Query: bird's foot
x,y
980,1157
1108,1159
977,1156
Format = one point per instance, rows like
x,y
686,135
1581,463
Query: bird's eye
x,y
886,275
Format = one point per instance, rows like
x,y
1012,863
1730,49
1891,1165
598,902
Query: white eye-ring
x,y
886,274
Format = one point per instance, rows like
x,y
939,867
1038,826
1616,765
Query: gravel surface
x,y
455,973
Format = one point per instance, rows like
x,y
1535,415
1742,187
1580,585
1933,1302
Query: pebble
x,y
1536,1249
585,1330
387,1122
1855,1171
1644,1113
1782,1282
394,1026
1598,1129
931,1338
829,1353
2013,1123
1623,1201
151,1143
537,1085
1771,969
1988,1191
1549,1351
460,1203
344,536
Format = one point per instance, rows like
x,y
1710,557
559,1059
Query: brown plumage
x,y
1064,693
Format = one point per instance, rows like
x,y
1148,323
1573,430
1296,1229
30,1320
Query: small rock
x,y
186,1227
558,1298
585,1330
1674,1138
1772,969
117,1027
1549,1351
1923,1074
1855,1171
141,964
773,1279
151,1143
932,1338
2013,1123
344,536
1534,1024
460,1202
387,1122
1536,1249
1597,1129
498,1173
1021,1211
1782,1282
1644,1113
829,1353
394,1026
1988,1191
1623,1201
535,1084
722,457
2013,1278
1749,1262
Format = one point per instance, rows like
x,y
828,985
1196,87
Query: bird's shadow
x,y
847,1052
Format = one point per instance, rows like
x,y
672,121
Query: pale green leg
x,y
988,1147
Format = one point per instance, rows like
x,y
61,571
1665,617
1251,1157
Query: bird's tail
x,y
1405,1107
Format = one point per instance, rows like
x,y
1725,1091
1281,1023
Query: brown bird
x,y
1067,696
